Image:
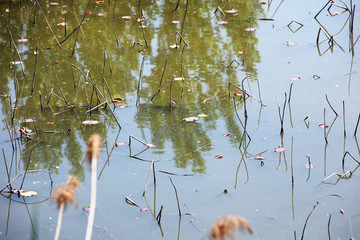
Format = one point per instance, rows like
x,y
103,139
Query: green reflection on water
x,y
212,47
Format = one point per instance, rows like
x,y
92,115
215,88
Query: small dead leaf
x,y
29,120
222,22
21,40
50,123
117,100
5,95
218,156
309,166
16,62
100,2
62,24
226,134
279,149
28,193
288,43
57,62
260,157
231,11
263,3
237,94
190,119
118,144
63,12
174,102
323,126
250,29
90,122
296,78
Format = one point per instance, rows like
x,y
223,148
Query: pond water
x,y
202,58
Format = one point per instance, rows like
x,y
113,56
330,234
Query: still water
x,y
168,63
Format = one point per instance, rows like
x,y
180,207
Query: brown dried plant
x,y
65,194
93,149
226,226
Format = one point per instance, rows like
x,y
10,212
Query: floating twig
x,y
330,105
57,80
36,59
77,31
344,118
357,124
47,22
329,227
325,135
139,81
177,197
303,232
183,21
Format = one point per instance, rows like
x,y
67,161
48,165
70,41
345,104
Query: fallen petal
x,y
118,144
231,11
150,145
28,193
126,17
323,126
218,156
190,119
250,29
222,22
176,21
295,78
226,134
260,157
90,122
279,149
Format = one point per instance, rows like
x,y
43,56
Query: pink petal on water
x,y
279,149
118,144
295,78
191,119
222,22
323,126
150,145
218,156
176,21
231,11
250,29
29,120
260,157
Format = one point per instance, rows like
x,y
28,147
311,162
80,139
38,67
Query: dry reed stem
x,y
226,226
63,195
92,156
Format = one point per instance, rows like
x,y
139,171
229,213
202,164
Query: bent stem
x,y
92,200
58,226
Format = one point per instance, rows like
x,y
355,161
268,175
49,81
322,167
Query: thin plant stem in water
x,y
92,156
307,219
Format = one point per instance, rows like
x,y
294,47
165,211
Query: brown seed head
x,y
226,226
93,149
65,193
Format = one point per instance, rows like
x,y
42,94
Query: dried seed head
x,y
93,149
226,226
65,193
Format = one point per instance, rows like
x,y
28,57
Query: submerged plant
x,y
226,226
92,156
63,195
